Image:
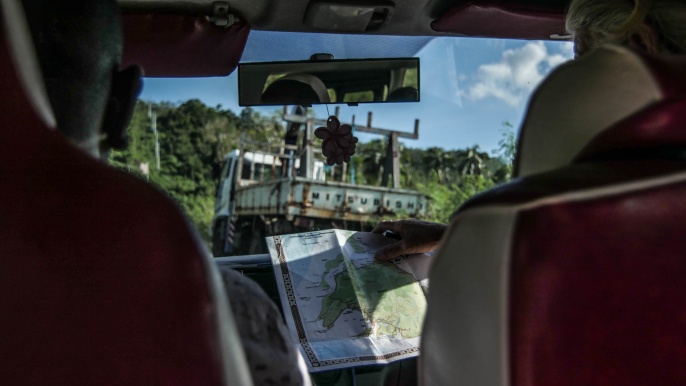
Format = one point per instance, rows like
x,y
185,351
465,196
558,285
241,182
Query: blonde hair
x,y
616,21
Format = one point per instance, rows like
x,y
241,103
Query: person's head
x,y
289,92
79,48
403,94
296,89
656,26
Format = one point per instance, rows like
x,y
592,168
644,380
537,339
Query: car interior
x,y
572,274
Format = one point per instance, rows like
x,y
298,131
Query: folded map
x,y
343,307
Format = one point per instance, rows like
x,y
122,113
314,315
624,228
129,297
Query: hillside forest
x,y
193,139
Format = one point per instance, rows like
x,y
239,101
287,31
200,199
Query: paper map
x,y
344,308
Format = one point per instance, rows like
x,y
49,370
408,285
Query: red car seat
x,y
574,273
101,278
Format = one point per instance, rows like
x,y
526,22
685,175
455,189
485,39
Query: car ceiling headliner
x,y
410,17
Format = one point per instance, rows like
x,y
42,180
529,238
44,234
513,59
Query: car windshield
x,y
474,92
470,86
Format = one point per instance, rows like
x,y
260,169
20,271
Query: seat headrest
x,y
22,78
584,97
403,94
296,89
655,132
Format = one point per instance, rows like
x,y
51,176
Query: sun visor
x,y
501,19
181,45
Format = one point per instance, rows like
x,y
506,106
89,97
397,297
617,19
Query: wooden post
x,y
264,156
395,160
307,164
392,164
284,164
252,165
241,152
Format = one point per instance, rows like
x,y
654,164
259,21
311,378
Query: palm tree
x,y
373,155
471,162
437,159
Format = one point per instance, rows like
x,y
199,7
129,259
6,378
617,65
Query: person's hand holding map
x,y
415,237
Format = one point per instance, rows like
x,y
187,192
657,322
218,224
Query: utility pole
x,y
391,170
152,114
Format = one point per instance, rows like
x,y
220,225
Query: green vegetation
x,y
359,96
194,138
449,177
410,78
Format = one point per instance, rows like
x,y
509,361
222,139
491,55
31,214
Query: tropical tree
x,y
193,139
373,156
438,159
507,147
471,161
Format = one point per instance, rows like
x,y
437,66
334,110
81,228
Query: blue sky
x,y
469,87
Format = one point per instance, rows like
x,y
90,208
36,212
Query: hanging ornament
x,y
338,141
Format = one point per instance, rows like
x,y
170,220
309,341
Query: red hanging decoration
x,y
338,141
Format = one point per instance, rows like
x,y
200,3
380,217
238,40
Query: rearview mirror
x,y
328,81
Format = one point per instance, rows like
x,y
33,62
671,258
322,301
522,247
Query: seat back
x,y
574,276
101,279
403,94
296,89
598,93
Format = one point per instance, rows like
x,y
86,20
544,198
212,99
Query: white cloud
x,y
519,71
556,60
567,49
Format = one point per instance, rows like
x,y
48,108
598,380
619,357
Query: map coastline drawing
x,y
346,309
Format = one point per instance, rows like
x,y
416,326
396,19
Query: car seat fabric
x,y
403,94
604,90
102,281
573,276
